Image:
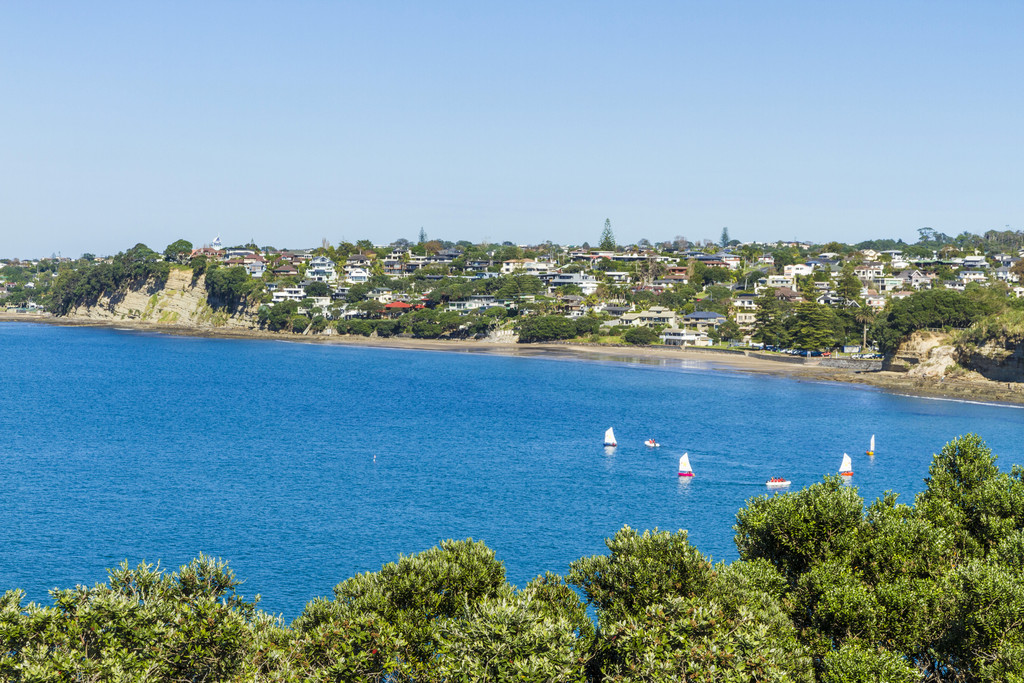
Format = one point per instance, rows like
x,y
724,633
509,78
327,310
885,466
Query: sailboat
x,y
846,469
684,466
609,438
871,448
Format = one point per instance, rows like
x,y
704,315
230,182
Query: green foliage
x,y
178,251
666,613
229,287
932,308
856,662
546,328
640,336
798,530
135,267
824,591
278,316
815,326
318,289
607,240
143,624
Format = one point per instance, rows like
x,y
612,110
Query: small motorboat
x,y
871,448
846,469
609,439
777,483
684,466
651,443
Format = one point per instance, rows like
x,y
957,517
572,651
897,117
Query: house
x,y
525,265
704,320
288,294
968,276
587,283
357,275
679,337
381,294
915,279
256,268
888,284
321,269
797,269
396,308
869,271
658,315
745,302
285,270
732,261
357,261
776,281
787,294
1004,274
874,300
619,277
746,319
464,305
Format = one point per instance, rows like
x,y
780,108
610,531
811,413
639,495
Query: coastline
x,y
980,391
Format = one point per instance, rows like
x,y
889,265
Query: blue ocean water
x,y
304,464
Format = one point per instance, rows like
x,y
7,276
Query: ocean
x,y
303,464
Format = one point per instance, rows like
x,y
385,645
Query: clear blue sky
x,y
289,122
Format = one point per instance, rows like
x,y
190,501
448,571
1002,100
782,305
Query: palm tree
x,y
866,317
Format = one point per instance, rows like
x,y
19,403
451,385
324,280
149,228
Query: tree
x,y
318,289
423,236
814,327
178,251
932,308
770,320
607,241
640,336
546,328
849,285
729,330
724,241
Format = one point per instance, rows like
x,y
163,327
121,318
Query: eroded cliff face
x,y
179,302
936,355
917,350
1001,360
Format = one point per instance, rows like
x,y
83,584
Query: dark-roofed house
x,y
703,320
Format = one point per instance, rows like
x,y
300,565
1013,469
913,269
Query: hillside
x,y
178,302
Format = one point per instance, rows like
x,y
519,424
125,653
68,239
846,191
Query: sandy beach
x,y
982,391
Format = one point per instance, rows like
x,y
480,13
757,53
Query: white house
x,y
587,283
797,269
677,337
321,269
289,294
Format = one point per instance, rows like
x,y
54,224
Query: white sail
x,y
609,438
847,465
684,463
872,448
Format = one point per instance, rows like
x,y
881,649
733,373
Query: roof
x,y
397,304
704,315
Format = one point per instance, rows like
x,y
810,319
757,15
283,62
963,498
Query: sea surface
x,y
302,465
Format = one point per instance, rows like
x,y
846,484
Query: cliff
x,y
936,355
179,302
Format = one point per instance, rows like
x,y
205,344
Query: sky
x,y
289,123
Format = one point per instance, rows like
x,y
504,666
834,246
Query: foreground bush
x,y
825,590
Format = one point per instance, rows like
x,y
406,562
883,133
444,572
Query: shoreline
x,y
977,391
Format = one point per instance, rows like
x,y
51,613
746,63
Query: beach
x,y
969,389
